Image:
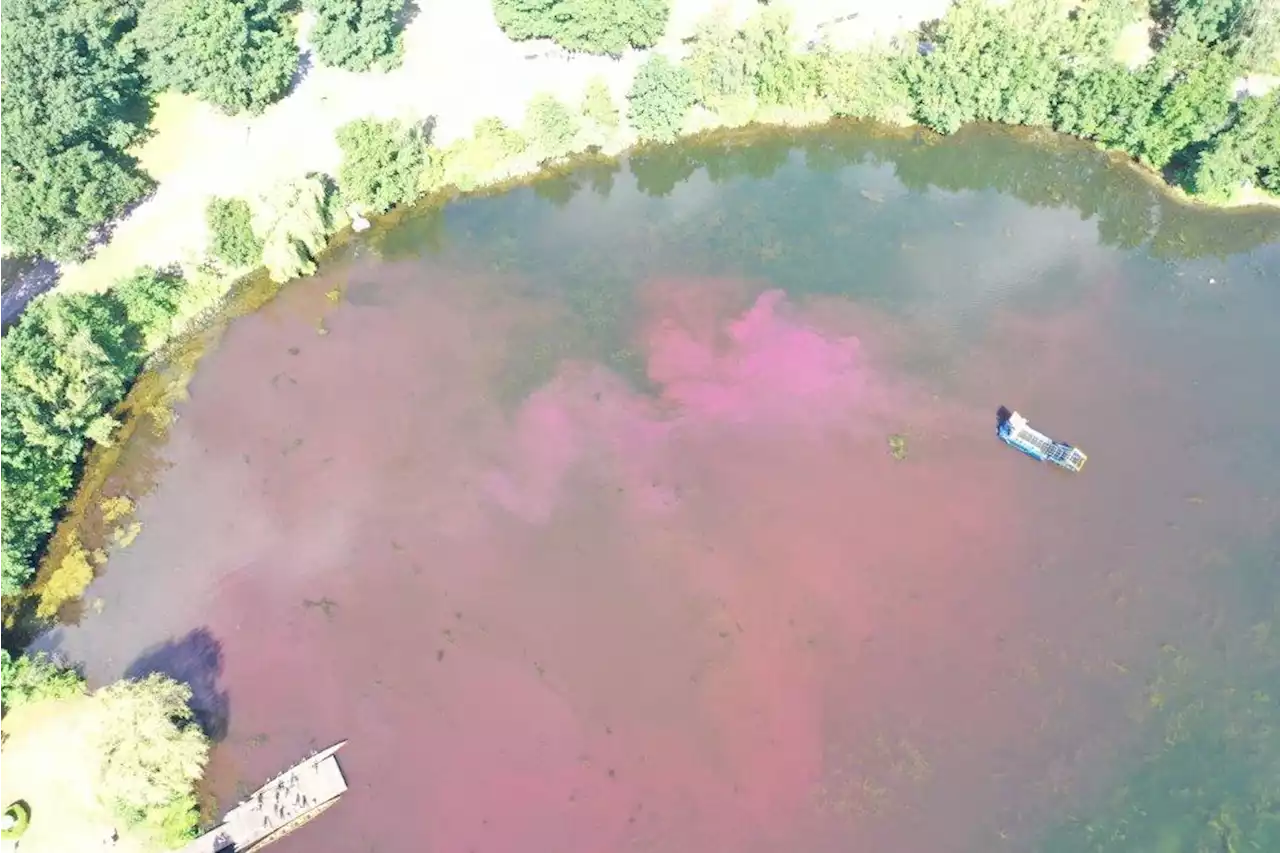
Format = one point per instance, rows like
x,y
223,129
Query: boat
x,y
285,803
1013,429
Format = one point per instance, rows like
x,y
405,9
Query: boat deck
x,y
1018,433
279,806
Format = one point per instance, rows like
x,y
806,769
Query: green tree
x,y
1193,106
991,64
358,35
717,63
598,106
1247,151
150,300
238,55
73,104
660,98
65,364
381,163
231,237
778,76
1257,36
33,678
550,126
592,26
866,84
153,754
292,221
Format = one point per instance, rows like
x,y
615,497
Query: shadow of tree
x,y
195,660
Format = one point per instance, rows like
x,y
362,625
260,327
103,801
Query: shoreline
x,y
197,154
211,292
161,384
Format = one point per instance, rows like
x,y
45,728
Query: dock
x,y
279,807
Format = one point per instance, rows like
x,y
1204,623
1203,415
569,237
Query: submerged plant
x,y
898,446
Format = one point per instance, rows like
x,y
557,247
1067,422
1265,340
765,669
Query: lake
x,y
574,510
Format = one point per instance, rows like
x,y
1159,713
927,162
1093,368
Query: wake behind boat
x,y
279,807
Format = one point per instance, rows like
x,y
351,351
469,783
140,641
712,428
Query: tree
x,y
660,98
1247,151
592,26
73,103
717,62
597,104
990,64
34,678
777,75
1257,36
292,221
231,237
150,301
358,35
64,366
238,55
381,163
153,754
550,126
865,84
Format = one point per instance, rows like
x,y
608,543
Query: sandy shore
x,y
458,67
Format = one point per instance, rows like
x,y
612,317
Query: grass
x,y
51,765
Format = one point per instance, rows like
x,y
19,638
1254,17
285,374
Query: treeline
x,y
1025,63
79,78
148,750
64,367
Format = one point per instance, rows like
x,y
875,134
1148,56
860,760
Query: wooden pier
x,y
278,807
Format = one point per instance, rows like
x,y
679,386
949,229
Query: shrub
x,y
20,815
470,162
598,105
231,237
381,163
292,220
153,754
550,126
358,35
33,678
592,26
150,300
863,84
660,98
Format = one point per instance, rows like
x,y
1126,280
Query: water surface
x,y
576,515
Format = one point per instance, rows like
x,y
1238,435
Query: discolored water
x,y
579,520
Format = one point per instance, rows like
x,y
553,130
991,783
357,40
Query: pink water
x,y
712,614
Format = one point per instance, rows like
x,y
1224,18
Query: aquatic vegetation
x,y
1210,780
898,446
